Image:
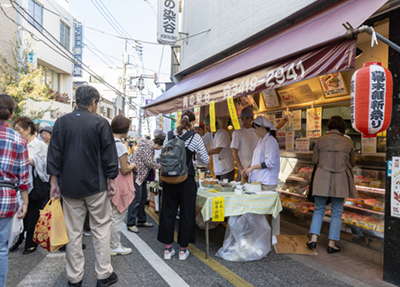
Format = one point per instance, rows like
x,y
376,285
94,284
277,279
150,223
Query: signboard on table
x,y
333,85
168,22
368,144
314,119
303,144
196,112
271,99
298,95
296,121
78,46
395,193
290,140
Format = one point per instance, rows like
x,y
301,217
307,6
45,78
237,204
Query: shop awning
x,y
312,47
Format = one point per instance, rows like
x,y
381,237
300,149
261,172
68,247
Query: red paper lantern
x,y
371,99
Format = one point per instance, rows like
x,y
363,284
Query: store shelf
x,y
364,209
356,230
370,189
290,193
297,178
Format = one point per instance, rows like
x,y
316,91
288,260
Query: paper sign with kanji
x,y
218,209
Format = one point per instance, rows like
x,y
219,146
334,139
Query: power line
x,y
105,16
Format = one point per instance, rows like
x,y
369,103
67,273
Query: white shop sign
x,y
168,22
395,190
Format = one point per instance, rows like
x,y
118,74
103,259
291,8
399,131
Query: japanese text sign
x,y
78,47
197,114
160,122
395,190
168,17
178,117
232,112
218,209
212,117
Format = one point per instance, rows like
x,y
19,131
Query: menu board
x,y
368,144
314,118
333,85
296,120
302,144
298,95
395,192
271,99
290,140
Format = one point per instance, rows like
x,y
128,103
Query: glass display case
x,y
363,216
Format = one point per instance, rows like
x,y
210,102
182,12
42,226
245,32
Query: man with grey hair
x,y
82,151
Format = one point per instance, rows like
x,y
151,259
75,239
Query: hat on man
x,y
206,121
47,129
247,112
263,121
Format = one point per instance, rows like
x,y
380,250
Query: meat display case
x,y
362,217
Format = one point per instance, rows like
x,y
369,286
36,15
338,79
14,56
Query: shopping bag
x,y
17,226
50,231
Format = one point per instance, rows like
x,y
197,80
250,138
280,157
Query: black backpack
x,y
174,169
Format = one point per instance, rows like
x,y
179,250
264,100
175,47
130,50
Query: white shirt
x,y
245,141
37,151
223,162
121,149
266,151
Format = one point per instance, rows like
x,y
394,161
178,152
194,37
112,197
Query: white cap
x,y
263,121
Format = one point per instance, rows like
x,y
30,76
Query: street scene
x,y
199,143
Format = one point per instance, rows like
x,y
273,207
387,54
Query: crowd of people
x,y
84,161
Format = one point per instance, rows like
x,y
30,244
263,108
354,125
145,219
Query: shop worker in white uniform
x,y
244,141
265,165
218,145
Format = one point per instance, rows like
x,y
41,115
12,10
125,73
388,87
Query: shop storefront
x,y
306,71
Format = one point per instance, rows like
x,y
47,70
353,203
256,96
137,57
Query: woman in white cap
x,y
265,165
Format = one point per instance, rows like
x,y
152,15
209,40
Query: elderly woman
x,y
334,159
45,132
38,179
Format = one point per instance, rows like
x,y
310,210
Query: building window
x,y
50,78
64,35
36,14
109,113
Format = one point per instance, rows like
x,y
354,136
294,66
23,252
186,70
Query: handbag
x,y
310,196
40,190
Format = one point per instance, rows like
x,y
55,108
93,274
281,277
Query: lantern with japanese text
x,y
371,99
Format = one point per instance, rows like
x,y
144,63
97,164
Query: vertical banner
x,y
290,140
168,22
218,209
78,47
314,118
212,117
296,123
173,125
232,112
160,122
197,114
395,193
178,117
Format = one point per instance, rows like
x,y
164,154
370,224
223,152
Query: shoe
x,y
274,240
79,284
144,224
312,244
120,250
83,246
29,251
168,254
183,255
13,247
333,250
107,282
87,233
133,229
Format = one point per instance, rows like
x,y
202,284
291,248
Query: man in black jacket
x,y
82,152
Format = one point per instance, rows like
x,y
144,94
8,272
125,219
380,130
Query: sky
x,y
138,19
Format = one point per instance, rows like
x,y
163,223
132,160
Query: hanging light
x,y
140,84
230,126
371,99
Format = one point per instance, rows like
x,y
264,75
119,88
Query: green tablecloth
x,y
268,203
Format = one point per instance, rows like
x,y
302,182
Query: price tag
x,y
212,117
218,209
232,112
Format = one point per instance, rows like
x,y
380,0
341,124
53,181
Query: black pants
x,y
30,220
136,208
174,195
230,176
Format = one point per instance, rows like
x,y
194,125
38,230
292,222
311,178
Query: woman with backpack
x,y
181,194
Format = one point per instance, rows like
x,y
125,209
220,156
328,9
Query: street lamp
x,y
140,83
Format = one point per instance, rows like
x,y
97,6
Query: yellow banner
x,y
178,118
212,117
160,120
218,209
232,112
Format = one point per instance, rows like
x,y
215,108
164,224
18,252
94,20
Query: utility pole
x,y
126,59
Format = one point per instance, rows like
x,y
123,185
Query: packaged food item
x,y
368,222
379,206
380,227
375,183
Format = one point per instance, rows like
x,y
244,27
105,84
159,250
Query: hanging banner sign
x,y
168,22
173,124
339,56
218,209
314,119
178,117
296,122
78,47
212,117
232,112
160,122
197,114
395,193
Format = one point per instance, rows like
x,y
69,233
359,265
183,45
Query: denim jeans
x,y
136,208
5,228
336,216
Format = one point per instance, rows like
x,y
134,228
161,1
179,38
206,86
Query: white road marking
x,y
166,272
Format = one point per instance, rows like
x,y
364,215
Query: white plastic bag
x,y
247,238
17,226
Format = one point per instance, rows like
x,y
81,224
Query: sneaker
x,y
87,233
133,229
168,254
145,224
274,240
183,255
107,282
120,250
